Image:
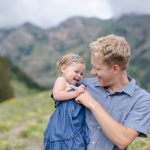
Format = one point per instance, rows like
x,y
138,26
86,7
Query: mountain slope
x,y
35,50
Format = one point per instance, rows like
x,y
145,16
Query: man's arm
x,y
120,135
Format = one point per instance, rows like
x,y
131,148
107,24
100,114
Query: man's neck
x,y
119,83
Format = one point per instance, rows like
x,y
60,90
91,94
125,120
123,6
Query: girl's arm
x,y
59,92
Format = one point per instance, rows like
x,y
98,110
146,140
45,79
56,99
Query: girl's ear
x,y
62,68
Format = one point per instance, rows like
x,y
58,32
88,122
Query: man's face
x,y
104,73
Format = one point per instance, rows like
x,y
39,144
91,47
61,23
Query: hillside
x,y
23,120
35,51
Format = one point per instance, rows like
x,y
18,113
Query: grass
x,y
21,89
23,120
140,144
21,109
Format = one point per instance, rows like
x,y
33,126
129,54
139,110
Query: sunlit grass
x,y
31,113
9,143
140,144
21,89
17,110
23,121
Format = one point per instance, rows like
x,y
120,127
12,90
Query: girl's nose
x,y
79,76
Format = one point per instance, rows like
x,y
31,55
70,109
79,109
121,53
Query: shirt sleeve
x,y
139,116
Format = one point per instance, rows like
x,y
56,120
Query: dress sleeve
x,y
82,82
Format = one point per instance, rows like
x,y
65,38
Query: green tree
x,y
6,90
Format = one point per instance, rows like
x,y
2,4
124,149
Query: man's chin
x,y
101,84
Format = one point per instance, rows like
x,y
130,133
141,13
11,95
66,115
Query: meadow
x,y
23,120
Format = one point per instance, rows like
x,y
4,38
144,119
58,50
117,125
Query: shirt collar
x,y
128,89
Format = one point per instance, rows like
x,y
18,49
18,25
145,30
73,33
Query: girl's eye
x,y
76,71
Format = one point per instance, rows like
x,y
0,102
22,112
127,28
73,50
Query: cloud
x,y
46,13
119,7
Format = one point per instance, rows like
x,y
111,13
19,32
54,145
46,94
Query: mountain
x,y
35,50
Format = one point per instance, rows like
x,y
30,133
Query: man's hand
x,y
85,99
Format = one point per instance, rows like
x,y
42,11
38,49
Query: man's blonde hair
x,y
68,59
112,49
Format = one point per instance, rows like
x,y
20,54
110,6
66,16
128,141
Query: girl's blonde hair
x,y
68,59
112,49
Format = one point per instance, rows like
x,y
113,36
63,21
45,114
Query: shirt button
x,y
93,142
98,127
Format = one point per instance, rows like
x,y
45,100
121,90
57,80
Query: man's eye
x,y
96,69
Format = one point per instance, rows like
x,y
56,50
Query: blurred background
x,y
35,33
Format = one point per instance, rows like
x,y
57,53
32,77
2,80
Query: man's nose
x,y
93,72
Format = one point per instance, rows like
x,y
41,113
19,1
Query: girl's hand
x,y
80,89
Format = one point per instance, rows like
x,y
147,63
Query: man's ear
x,y
116,68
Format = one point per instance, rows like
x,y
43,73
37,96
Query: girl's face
x,y
73,73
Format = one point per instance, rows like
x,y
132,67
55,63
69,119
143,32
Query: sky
x,y
48,13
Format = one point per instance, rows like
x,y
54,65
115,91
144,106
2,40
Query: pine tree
x,y
6,90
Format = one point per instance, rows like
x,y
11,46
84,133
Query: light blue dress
x,y
67,129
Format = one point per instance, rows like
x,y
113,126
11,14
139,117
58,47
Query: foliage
x,y
35,51
6,90
23,121
21,89
140,144
18,74
21,109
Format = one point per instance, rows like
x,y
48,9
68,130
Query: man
x,y
118,110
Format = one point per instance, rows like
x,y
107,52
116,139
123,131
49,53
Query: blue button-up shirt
x,y
130,107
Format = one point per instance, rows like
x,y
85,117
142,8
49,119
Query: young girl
x,y
67,129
